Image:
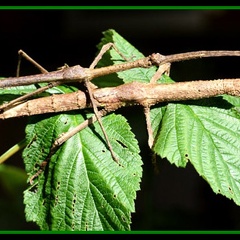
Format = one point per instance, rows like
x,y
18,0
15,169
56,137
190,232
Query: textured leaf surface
x,y
208,137
83,188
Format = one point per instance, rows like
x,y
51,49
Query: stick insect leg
x,y
89,87
103,50
21,54
165,68
19,100
23,98
98,116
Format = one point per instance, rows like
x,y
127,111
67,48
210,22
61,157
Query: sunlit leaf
x,y
208,138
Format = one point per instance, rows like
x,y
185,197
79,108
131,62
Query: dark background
x,y
175,199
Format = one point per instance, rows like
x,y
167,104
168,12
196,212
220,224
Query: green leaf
x,y
82,188
8,94
112,57
232,99
235,101
208,137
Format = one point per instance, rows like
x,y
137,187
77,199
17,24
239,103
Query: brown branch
x,y
129,94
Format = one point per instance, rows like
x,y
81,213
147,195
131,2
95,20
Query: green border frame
x,y
211,232
164,232
119,7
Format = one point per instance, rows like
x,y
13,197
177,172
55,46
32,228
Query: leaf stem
x,y
14,149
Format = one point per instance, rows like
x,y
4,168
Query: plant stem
x,y
14,149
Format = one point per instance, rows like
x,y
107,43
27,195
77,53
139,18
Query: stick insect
x,y
85,75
